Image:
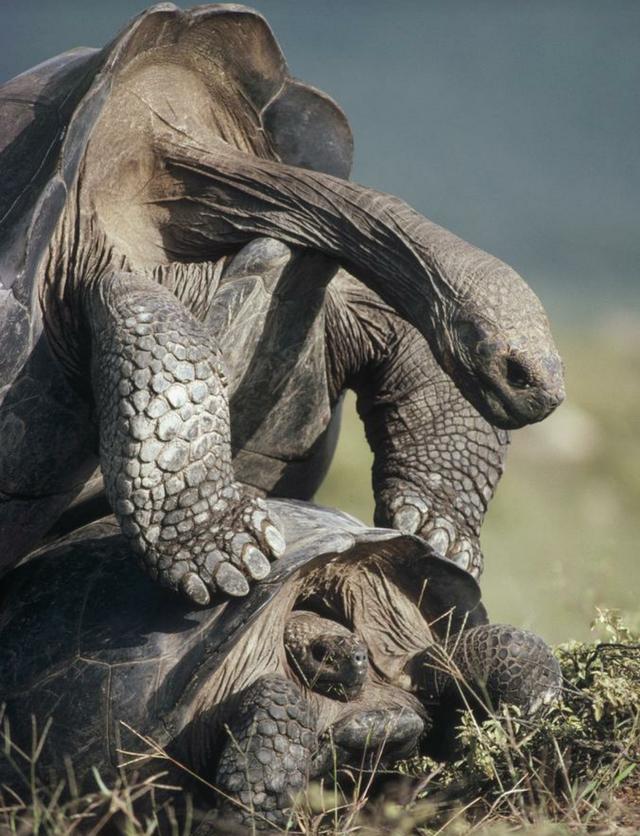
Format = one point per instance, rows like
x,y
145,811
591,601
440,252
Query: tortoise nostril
x,y
360,657
517,375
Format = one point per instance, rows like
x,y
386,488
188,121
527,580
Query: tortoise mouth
x,y
508,405
337,690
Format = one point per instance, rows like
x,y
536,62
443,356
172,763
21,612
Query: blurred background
x,y
516,126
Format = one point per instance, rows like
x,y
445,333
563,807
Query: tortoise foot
x,y
411,513
237,549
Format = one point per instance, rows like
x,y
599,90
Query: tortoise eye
x,y
470,333
320,652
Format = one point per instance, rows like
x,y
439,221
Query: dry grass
x,y
571,770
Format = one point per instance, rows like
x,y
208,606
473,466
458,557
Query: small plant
x,y
576,763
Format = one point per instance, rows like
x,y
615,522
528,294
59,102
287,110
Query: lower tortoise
x,y
347,653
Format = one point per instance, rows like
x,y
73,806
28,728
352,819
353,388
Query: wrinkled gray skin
x,y
291,349
229,690
437,461
129,173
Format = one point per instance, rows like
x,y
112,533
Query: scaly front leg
x,y
159,388
490,664
436,460
267,756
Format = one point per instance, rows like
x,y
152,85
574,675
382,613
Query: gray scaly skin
x,y
273,749
489,665
481,365
164,436
161,165
267,757
485,326
274,746
437,461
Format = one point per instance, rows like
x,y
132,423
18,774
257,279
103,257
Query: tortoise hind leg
x,y
267,757
165,443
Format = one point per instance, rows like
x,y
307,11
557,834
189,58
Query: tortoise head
x,y
329,659
338,665
496,342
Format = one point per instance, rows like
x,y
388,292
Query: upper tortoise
x,y
292,345
128,174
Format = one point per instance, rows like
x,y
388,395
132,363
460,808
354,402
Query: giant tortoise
x,y
128,174
341,651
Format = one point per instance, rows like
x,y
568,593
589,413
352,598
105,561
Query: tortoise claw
x,y
439,541
410,513
257,564
231,580
407,519
194,588
275,540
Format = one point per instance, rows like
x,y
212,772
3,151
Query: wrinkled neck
x,y
223,197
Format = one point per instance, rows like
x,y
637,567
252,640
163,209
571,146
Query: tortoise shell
x,y
91,644
60,122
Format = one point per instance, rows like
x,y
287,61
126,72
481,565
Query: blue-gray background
x,y
515,124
